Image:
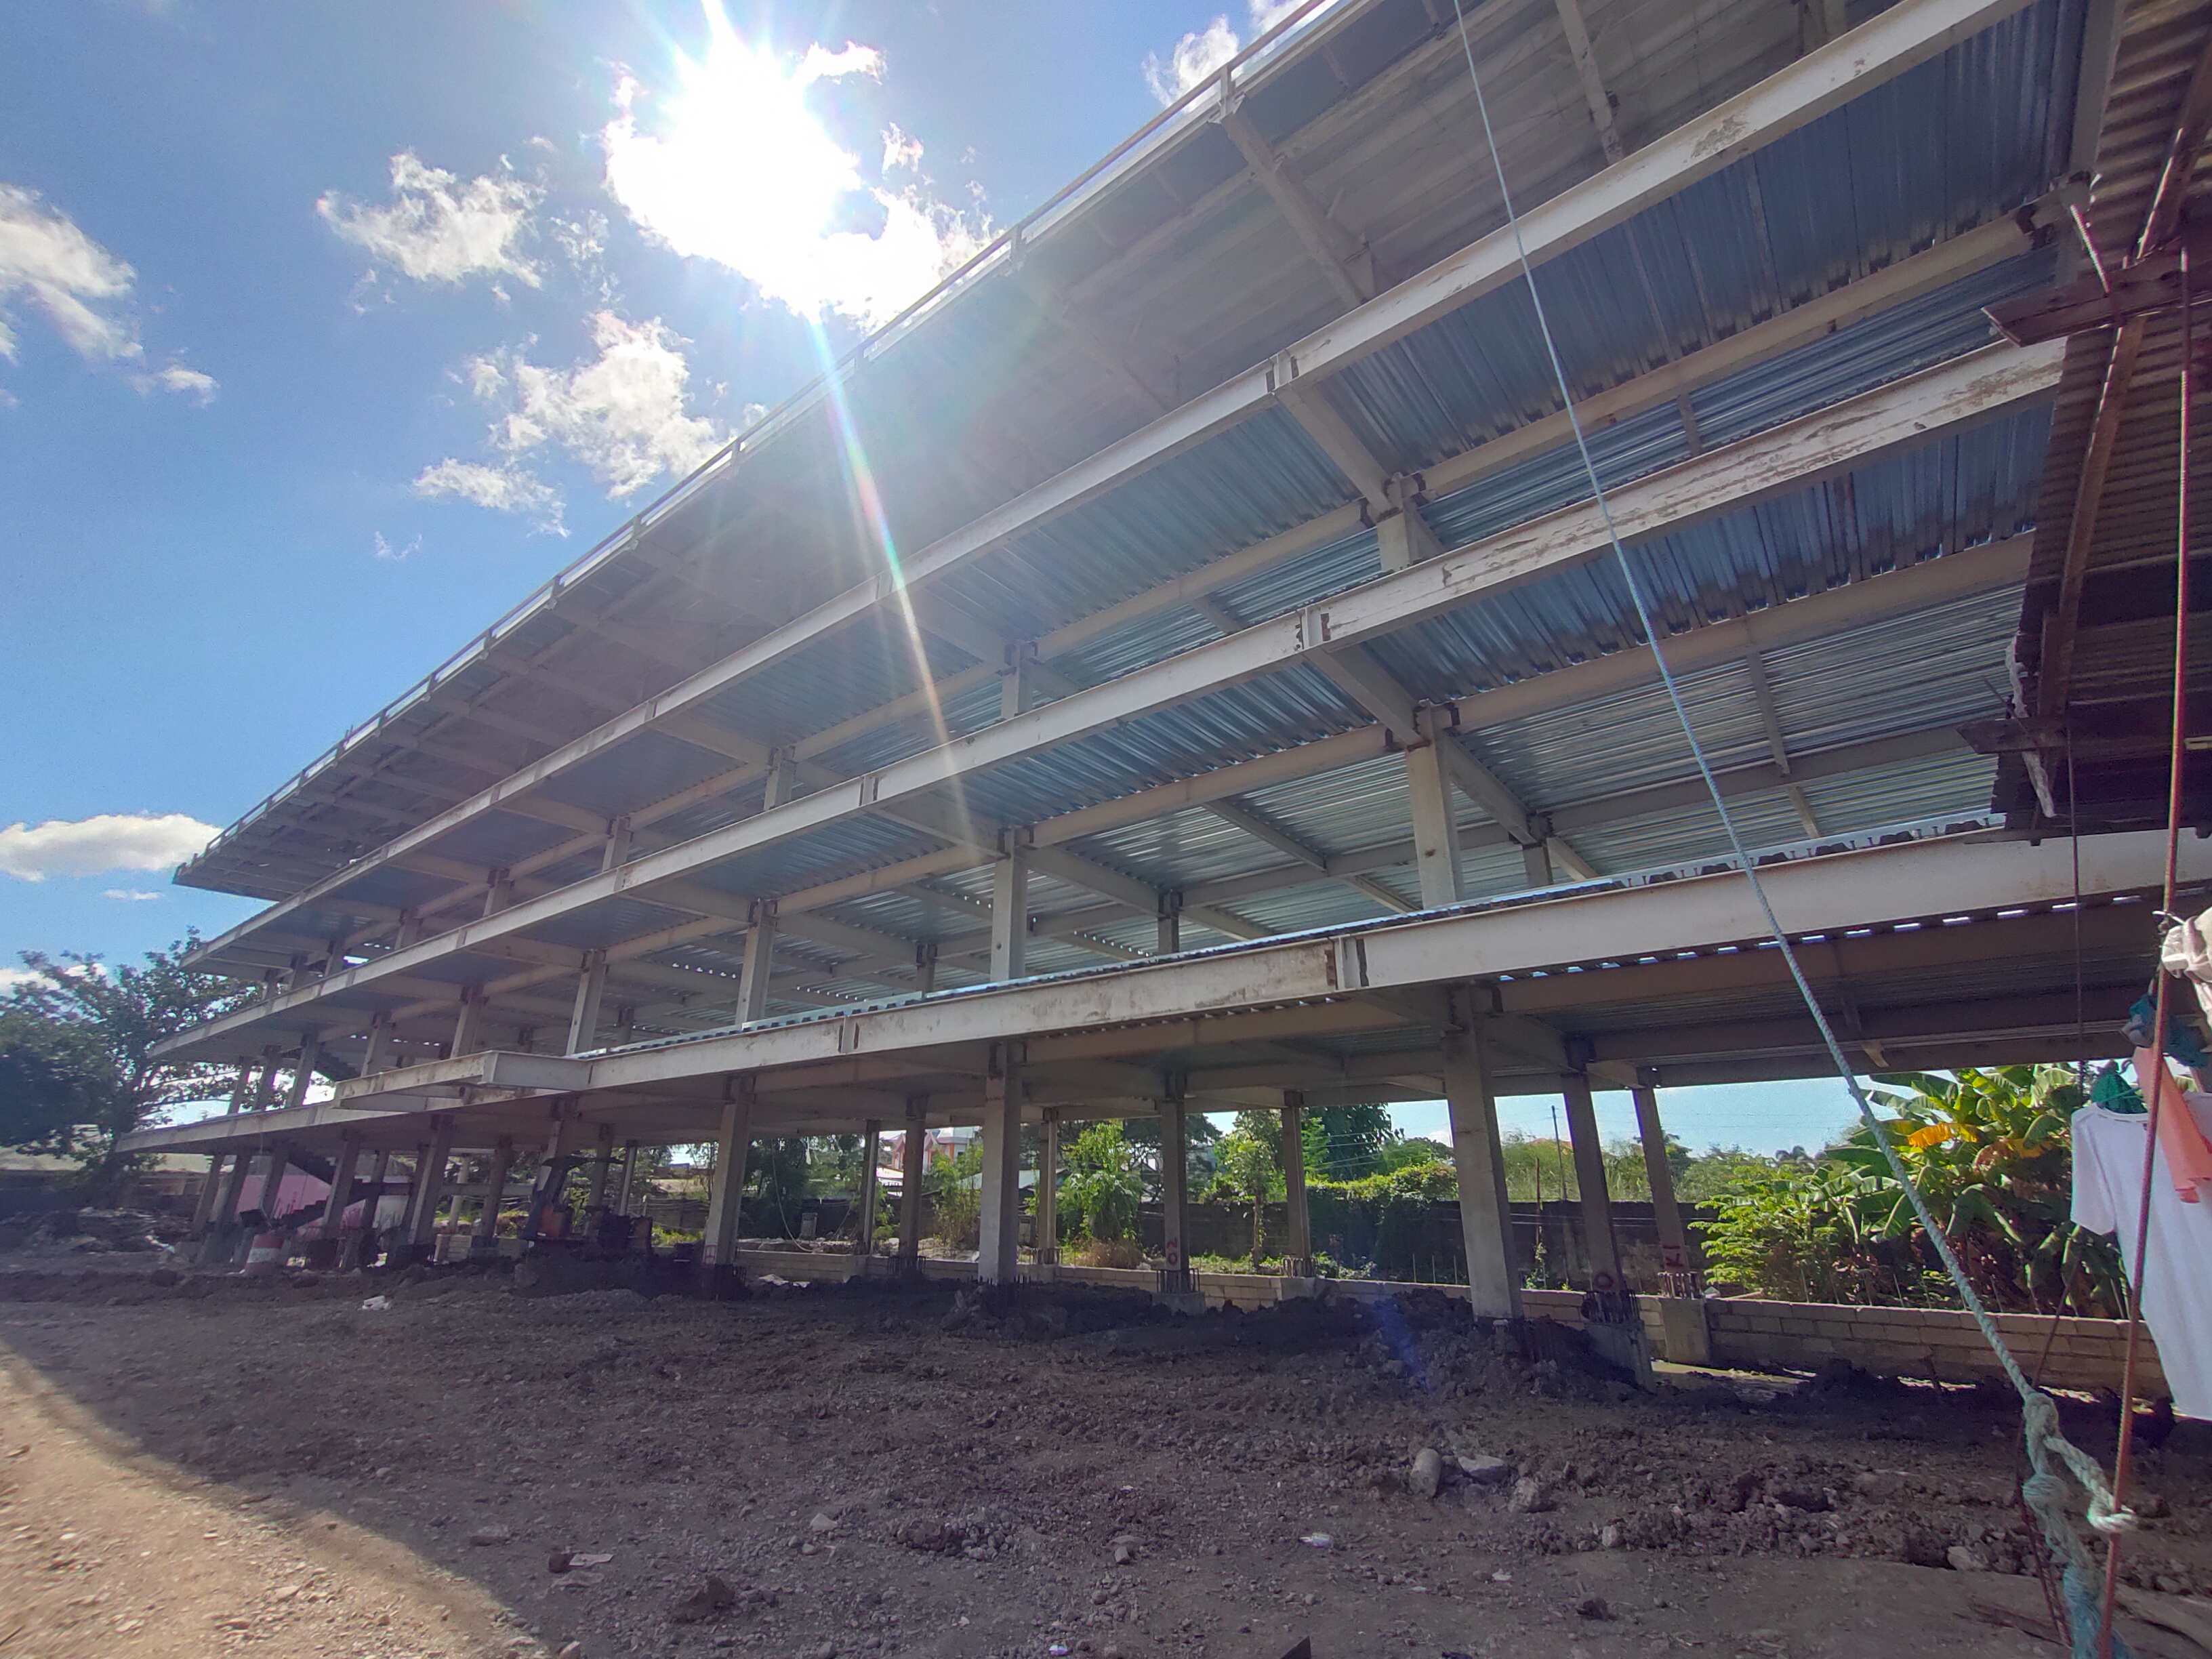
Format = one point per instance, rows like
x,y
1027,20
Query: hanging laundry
x,y
2181,1142
2177,1297
2187,952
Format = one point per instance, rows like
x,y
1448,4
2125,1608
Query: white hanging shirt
x,y
2176,1296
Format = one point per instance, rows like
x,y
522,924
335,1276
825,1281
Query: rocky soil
x,y
862,1471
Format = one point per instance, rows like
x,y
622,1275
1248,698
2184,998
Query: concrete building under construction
x,y
1181,665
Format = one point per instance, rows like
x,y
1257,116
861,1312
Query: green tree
x,y
1104,1186
77,1070
1343,1143
1246,1158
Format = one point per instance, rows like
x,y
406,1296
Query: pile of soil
x,y
877,1469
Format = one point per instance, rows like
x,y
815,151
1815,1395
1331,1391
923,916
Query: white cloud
x,y
900,149
1199,56
501,489
621,416
84,290
384,549
740,171
1194,59
177,377
10,978
130,894
437,229
111,840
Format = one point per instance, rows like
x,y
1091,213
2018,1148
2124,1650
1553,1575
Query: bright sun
x,y
738,170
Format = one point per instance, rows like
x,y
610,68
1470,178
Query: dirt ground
x,y
221,1466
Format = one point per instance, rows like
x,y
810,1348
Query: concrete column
x,y
915,1157
499,891
616,852
1174,1204
204,1210
1686,1336
303,1072
241,1088
486,1241
550,1178
1675,1253
1048,1191
759,963
342,1169
378,1168
925,966
1298,1248
429,1187
1493,1278
863,1238
584,1011
272,1182
1170,933
998,1256
1596,1203
731,1147
377,1056
1435,826
468,1023
625,1024
629,1177
223,1220
596,1197
265,1087
1009,910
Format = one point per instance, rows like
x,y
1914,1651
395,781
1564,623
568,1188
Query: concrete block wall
x,y
1941,1343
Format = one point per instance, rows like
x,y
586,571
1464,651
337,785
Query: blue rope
x,y
2040,1417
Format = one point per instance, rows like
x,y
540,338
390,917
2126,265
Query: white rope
x,y
2040,1417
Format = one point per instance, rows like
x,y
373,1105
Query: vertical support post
x,y
998,1256
1536,863
265,1087
629,1177
342,1169
1298,1248
303,1070
914,1156
377,1056
864,1236
468,1023
551,1178
1170,934
486,1239
272,1181
1436,826
584,1012
1174,1204
203,1212
625,1024
1610,1318
429,1187
596,1198
925,966
1595,1201
1494,1280
241,1088
224,1218
1686,1337
499,891
1677,1266
378,1168
1009,908
718,1253
759,962
1047,1192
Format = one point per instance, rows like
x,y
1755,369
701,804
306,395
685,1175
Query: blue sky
x,y
343,326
